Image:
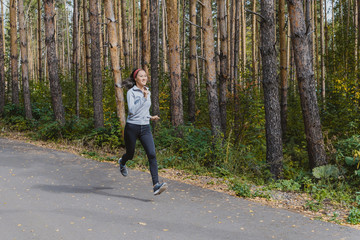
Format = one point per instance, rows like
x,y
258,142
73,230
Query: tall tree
x,y
14,53
2,66
235,66
164,42
87,41
209,55
223,78
154,43
24,60
254,45
177,115
115,63
75,60
193,56
145,51
39,41
52,62
274,154
307,89
125,34
322,49
96,64
283,66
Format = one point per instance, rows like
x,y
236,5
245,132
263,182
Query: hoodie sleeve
x,y
134,102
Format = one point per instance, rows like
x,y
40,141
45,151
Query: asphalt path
x,y
49,194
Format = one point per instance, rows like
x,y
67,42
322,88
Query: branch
x,y
201,3
193,23
257,14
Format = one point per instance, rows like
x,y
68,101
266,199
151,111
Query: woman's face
x,y
141,78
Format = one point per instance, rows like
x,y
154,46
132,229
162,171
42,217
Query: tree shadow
x,y
85,190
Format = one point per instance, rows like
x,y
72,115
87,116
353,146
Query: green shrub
x,y
354,216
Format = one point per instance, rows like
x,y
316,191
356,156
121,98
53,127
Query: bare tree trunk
x,y
164,34
2,65
145,56
96,64
243,41
192,70
87,41
231,36
154,43
210,68
322,49
125,34
24,60
274,154
283,67
307,89
135,22
52,62
316,55
76,55
223,78
113,43
14,53
177,116
254,45
39,41
235,67
120,33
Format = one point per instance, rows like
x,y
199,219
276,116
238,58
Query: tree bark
x,y
307,89
254,45
52,62
24,60
235,68
274,154
177,116
87,41
210,68
96,64
125,34
145,51
75,59
39,42
154,45
164,37
14,54
115,63
322,49
2,66
283,67
223,78
192,70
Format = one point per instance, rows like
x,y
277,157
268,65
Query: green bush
x,y
354,216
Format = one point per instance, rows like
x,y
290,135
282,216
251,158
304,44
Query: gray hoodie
x,y
138,106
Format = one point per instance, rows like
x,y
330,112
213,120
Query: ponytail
x,y
130,81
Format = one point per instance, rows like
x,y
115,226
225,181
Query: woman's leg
x,y
131,133
147,141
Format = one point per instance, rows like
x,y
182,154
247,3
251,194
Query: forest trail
x,y
49,194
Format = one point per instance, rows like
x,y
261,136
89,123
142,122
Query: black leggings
x,y
143,132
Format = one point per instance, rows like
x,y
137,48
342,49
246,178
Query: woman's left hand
x,y
155,118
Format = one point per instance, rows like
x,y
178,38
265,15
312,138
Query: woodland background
x,y
257,92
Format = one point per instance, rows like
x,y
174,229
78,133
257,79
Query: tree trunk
x,y
24,60
243,41
274,155
235,68
322,49
87,41
154,43
307,89
145,51
52,62
177,116
192,70
96,64
210,68
254,45
223,78
2,66
283,67
164,42
39,41
76,55
14,53
125,34
134,46
114,52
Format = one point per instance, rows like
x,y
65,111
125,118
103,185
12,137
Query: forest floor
x,y
293,201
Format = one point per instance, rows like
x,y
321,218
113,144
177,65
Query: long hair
x,y
130,81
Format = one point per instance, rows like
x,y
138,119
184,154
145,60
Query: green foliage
x,y
326,172
242,190
313,205
285,185
354,216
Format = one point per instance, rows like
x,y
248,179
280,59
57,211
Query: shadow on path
x,y
85,190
